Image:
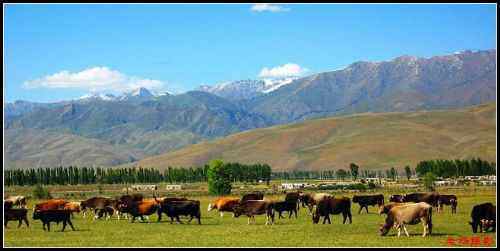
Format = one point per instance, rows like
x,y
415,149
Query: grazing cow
x,y
410,214
95,204
368,200
19,201
251,208
396,198
174,209
138,208
51,204
252,196
445,199
223,204
73,207
332,205
483,214
384,209
54,215
288,206
19,214
310,200
429,198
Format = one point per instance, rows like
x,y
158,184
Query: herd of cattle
x,y
409,209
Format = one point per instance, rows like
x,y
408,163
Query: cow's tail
x,y
270,210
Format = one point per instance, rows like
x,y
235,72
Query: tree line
x,y
96,175
456,168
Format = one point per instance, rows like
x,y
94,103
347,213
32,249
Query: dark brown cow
x,y
410,214
174,209
251,208
332,205
293,197
445,199
95,204
286,206
429,198
368,200
483,216
19,214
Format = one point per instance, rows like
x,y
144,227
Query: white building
x,y
289,186
174,187
143,187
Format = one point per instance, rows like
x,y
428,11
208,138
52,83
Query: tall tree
x,y
354,170
408,172
219,178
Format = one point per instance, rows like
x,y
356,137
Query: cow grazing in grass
x,y
51,204
138,208
429,198
483,216
384,209
396,198
310,200
19,201
251,208
332,205
223,204
410,214
174,209
57,215
445,199
19,214
252,196
368,200
286,206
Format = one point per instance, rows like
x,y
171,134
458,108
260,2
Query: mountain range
x,y
138,124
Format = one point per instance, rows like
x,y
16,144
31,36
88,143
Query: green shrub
x,y
40,192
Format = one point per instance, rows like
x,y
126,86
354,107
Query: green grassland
x,y
229,231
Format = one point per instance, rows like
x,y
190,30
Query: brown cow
x,y
95,204
141,208
332,205
410,214
310,200
447,199
223,204
251,208
51,204
384,209
430,198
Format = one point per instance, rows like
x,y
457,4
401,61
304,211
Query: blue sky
x,y
57,52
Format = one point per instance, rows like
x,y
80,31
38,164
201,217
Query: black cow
x,y
368,200
482,213
286,206
19,214
252,196
396,198
293,197
447,200
332,205
174,209
429,198
54,215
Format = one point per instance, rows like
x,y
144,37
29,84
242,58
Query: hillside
x,y
372,140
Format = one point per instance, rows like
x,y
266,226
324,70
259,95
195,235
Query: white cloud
x,y
286,70
95,79
261,7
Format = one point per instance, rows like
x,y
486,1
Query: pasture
x,y
235,232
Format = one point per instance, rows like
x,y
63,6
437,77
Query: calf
x,y
396,198
252,196
251,208
410,214
288,206
429,198
54,215
447,200
174,209
223,204
19,214
368,200
483,215
332,205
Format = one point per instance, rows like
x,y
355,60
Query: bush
x,y
219,178
429,180
39,192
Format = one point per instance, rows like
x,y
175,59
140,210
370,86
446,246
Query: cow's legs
x,y
366,207
249,220
360,208
178,219
221,214
26,221
64,226
71,225
406,231
425,228
48,226
399,230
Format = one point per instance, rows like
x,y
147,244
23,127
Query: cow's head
x,y
237,211
36,214
384,229
487,224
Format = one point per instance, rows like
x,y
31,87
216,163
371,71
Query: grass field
x,y
228,231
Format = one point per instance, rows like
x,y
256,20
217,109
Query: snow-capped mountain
x,y
101,96
246,89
